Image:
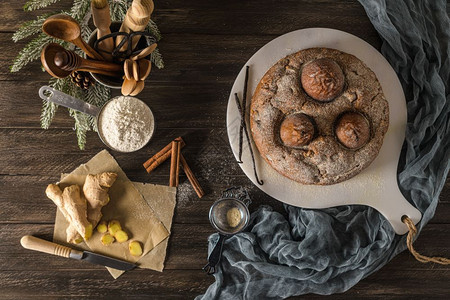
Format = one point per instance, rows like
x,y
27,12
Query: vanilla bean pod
x,y
244,107
238,104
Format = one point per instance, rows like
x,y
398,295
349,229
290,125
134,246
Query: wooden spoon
x,y
128,69
145,52
139,87
128,86
66,28
60,62
145,67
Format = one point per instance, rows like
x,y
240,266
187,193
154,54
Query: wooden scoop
x,y
66,28
145,67
60,62
145,52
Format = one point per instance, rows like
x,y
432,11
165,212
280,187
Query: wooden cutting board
x,y
376,186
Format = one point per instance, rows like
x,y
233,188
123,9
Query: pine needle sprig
x,y
118,10
31,5
157,59
79,9
32,51
30,28
153,29
97,95
49,108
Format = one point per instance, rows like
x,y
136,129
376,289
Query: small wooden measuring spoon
x,y
145,52
66,28
128,86
128,67
139,87
145,67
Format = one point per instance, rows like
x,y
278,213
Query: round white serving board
x,y
376,186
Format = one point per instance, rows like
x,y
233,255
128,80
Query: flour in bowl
x,y
126,124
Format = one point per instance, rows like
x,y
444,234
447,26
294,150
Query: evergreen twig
x,y
153,29
30,28
31,5
31,51
157,59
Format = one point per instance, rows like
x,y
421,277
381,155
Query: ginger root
x,y
83,209
135,248
95,191
74,209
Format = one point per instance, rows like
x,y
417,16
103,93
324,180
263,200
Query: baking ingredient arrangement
x,y
82,85
318,117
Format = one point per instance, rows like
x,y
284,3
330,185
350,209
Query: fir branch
x,y
36,4
48,113
79,9
30,28
157,59
118,9
97,95
81,126
30,52
49,108
153,29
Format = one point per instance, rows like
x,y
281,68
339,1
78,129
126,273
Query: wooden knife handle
x,y
37,244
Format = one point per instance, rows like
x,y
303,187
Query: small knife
x,y
37,244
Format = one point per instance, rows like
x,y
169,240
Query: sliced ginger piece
x,y
121,236
114,226
107,239
135,248
102,227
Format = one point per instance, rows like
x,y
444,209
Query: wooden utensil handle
x,y
37,244
88,49
101,67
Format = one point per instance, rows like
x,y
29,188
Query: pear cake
x,y
319,116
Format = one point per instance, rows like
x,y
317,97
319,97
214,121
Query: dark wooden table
x,y
205,43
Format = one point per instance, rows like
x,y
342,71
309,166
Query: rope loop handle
x,y
409,243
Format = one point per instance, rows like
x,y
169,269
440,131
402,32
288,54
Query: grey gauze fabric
x,y
328,251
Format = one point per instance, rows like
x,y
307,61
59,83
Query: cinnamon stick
x,y
161,156
175,163
192,179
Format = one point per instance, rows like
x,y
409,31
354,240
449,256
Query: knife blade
x,y
37,244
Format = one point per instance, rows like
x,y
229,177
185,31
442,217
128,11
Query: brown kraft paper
x,y
126,205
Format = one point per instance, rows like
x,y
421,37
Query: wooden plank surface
x,y
205,43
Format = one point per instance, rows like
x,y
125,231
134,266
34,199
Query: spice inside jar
x,y
233,217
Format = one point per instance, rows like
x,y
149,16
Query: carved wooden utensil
x,y
128,86
136,19
145,52
145,67
66,28
60,62
102,20
139,87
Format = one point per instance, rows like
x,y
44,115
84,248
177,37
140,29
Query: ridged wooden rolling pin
x,y
102,20
136,19
60,62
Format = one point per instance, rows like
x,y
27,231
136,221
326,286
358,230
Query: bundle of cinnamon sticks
x,y
173,150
